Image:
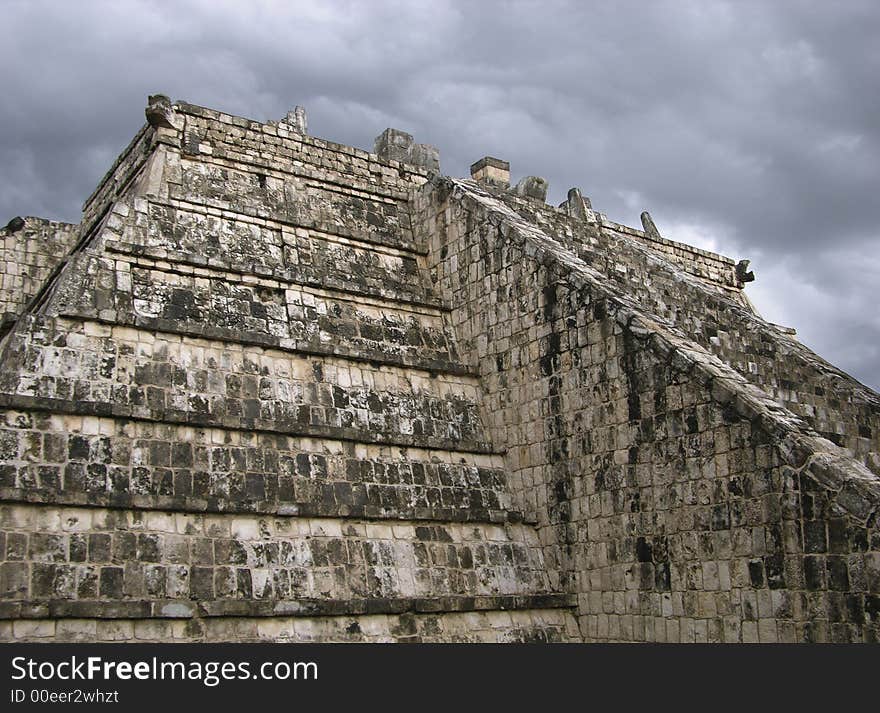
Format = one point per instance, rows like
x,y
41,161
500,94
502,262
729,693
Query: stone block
x,y
491,170
533,188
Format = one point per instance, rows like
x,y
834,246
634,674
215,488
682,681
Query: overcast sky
x,y
752,129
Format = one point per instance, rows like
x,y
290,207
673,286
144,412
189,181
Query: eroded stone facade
x,y
275,388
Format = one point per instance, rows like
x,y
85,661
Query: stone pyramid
x,y
273,388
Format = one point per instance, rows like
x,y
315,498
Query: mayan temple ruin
x,y
273,388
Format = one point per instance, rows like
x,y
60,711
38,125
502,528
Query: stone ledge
x,y
327,228
327,180
287,427
369,241
289,276
684,247
373,357
92,609
178,503
187,609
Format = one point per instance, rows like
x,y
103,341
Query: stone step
x,y
333,504
157,295
292,201
263,314
268,564
285,278
279,427
112,462
88,368
330,180
491,626
190,233
177,609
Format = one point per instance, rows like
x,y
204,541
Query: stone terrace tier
x,y
73,559
80,367
81,460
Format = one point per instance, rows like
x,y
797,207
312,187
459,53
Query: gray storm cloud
x,y
749,128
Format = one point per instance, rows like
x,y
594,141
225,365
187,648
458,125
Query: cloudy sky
x,y
748,128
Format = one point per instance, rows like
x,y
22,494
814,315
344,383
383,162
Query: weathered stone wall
x,y
711,268
711,311
27,257
679,502
279,146
79,460
95,560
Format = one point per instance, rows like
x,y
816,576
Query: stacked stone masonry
x,y
677,500
711,311
276,388
27,258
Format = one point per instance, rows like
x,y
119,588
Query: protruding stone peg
x,y
648,225
532,187
298,120
576,205
159,112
